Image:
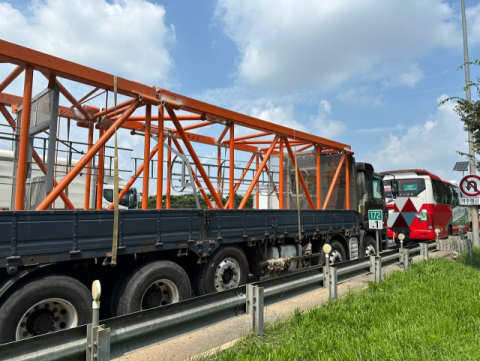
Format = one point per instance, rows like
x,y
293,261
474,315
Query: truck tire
x,y
153,284
227,268
43,305
338,253
370,248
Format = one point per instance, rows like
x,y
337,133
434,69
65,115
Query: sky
x,y
366,73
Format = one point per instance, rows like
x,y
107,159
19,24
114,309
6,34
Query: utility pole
x,y
473,208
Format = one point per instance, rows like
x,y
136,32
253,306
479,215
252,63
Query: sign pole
x,y
473,208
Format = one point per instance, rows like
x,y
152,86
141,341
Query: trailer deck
x,y
36,237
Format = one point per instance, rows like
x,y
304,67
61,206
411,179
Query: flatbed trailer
x,y
46,237
151,257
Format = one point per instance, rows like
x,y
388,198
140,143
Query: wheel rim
x,y
370,251
46,316
160,293
335,257
227,275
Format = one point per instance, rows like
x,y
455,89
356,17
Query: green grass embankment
x,y
431,312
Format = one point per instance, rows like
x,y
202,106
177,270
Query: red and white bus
x,y
423,203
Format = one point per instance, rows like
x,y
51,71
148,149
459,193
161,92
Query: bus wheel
x,y
337,255
153,284
370,246
44,305
226,269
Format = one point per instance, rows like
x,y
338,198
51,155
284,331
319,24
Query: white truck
x,y
75,191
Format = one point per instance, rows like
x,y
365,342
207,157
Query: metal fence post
x,y
376,267
255,308
332,286
98,338
424,250
406,259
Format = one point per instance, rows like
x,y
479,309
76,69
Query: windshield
x,y
108,195
406,187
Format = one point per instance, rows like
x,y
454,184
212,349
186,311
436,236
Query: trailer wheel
x,y
338,253
44,305
153,284
370,246
226,269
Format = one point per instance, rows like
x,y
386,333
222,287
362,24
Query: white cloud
x,y
380,129
282,115
431,145
325,43
410,77
360,96
324,127
128,38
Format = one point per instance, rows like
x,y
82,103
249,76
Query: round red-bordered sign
x,y
470,185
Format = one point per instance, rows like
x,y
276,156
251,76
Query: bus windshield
x,y
407,187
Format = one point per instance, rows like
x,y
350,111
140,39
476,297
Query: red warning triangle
x,y
409,207
400,222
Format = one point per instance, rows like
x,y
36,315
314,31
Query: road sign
x,y
470,185
375,219
470,200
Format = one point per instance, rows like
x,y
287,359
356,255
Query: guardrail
x,y
142,329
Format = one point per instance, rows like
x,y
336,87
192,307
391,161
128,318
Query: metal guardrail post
x,y
470,250
376,267
438,243
424,250
255,303
98,338
332,283
326,267
406,259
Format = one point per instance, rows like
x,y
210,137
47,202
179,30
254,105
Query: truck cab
x,y
371,196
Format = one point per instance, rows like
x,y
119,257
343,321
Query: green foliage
x,y
469,112
464,258
427,313
188,201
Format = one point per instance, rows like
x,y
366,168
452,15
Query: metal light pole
x,y
473,208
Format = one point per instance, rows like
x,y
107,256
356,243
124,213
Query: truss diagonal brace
x,y
36,157
334,181
194,156
257,175
300,177
85,159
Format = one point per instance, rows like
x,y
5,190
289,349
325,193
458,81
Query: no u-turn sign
x,y
470,185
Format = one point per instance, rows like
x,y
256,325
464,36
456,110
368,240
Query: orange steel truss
x,y
237,134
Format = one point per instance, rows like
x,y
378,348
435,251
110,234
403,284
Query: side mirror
x,y
394,185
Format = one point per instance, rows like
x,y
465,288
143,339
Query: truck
x,y
76,188
155,257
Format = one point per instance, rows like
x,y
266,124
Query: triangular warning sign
x,y
409,207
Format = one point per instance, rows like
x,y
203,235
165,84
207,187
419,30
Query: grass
x,y
431,312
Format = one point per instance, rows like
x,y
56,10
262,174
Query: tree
x,y
469,112
188,201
